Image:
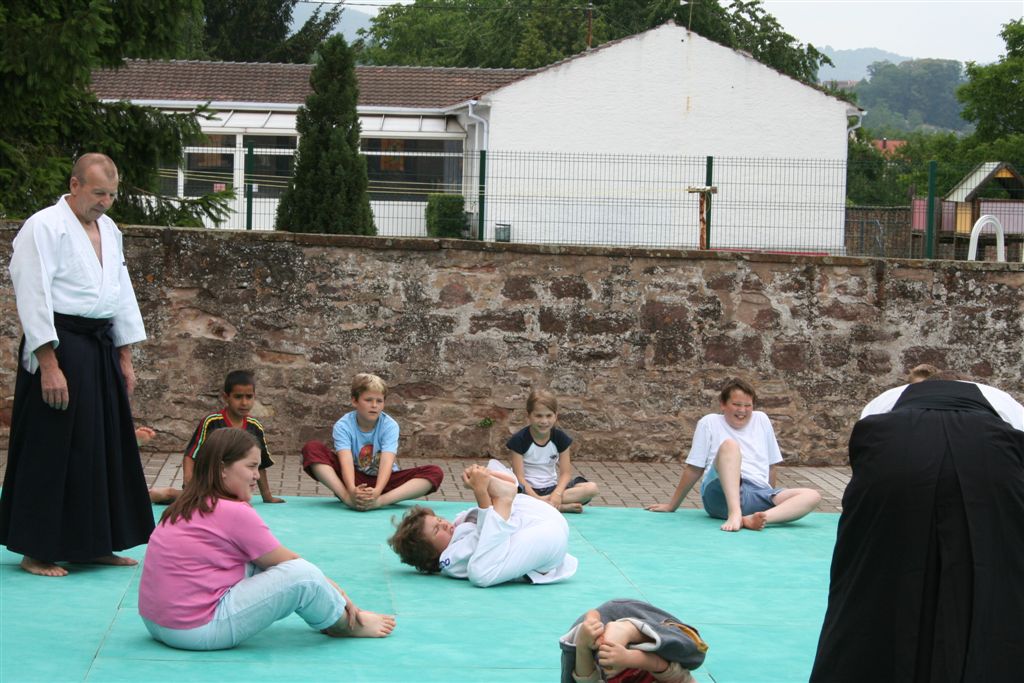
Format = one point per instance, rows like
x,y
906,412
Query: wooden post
x,y
703,192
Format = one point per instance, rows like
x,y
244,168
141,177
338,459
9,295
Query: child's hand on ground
x,y
661,507
273,499
144,435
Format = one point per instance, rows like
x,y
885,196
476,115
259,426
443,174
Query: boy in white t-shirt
x,y
738,450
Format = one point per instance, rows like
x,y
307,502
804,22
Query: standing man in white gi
x,y
74,488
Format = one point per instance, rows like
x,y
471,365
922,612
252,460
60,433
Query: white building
x,y
598,148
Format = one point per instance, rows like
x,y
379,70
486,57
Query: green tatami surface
x,y
758,599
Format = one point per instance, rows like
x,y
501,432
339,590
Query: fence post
x,y
929,227
708,178
249,160
482,196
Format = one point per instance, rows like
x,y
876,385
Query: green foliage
x,y
485,423
912,94
446,215
994,96
328,192
534,33
257,31
47,51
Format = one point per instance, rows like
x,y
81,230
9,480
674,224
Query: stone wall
x,y
633,341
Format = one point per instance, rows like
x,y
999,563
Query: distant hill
x,y
852,65
351,19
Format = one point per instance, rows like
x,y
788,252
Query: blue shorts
x,y
548,489
753,498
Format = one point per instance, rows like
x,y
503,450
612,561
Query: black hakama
x,y
927,576
74,487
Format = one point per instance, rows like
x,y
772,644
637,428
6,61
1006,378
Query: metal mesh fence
x,y
781,205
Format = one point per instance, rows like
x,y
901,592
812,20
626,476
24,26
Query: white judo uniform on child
x,y
488,550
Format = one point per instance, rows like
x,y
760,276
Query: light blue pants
x,y
256,602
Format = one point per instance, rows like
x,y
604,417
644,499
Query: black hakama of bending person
x,y
74,487
927,576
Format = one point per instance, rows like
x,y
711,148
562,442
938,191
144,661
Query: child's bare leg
x,y
727,463
792,504
326,475
589,637
41,568
161,495
574,498
414,488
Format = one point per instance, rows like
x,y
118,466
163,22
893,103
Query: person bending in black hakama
x,y
927,579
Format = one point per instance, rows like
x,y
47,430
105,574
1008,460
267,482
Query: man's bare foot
x,y
113,560
365,625
571,507
733,523
40,568
756,521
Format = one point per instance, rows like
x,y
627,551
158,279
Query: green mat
x,y
757,598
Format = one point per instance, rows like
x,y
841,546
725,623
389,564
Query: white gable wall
x,y
670,92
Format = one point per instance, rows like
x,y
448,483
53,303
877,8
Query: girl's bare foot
x,y
40,568
365,625
162,495
113,560
756,521
571,507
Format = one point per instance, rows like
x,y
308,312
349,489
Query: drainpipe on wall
x,y
479,120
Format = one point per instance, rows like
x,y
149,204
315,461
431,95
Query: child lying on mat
x,y
629,641
214,575
507,537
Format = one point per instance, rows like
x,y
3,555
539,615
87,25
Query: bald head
x,y
87,161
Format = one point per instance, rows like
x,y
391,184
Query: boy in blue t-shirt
x,y
362,470
540,457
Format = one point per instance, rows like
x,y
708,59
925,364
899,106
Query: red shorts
x,y
319,453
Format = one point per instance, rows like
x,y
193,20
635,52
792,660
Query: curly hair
x,y
410,541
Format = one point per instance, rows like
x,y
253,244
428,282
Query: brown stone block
x,y
454,294
916,355
657,316
552,321
722,351
518,288
853,312
569,287
606,323
981,370
790,356
670,349
507,321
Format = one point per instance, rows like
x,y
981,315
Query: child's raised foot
x,y
756,521
162,495
499,487
41,568
574,508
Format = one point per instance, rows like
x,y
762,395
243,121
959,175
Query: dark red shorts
x,y
319,453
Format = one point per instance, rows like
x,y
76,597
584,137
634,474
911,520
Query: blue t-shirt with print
x,y
366,447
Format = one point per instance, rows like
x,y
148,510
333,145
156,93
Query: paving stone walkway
x,y
623,484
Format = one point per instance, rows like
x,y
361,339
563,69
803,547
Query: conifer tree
x,y
328,192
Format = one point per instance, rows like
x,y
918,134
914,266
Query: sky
x,y
964,30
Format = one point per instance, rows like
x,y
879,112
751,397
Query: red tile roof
x,y
381,86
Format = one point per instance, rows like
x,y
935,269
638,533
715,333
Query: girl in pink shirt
x,y
214,575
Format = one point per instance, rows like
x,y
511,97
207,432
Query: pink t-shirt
x,y
190,565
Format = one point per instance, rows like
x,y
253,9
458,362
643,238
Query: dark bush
x,y
446,215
